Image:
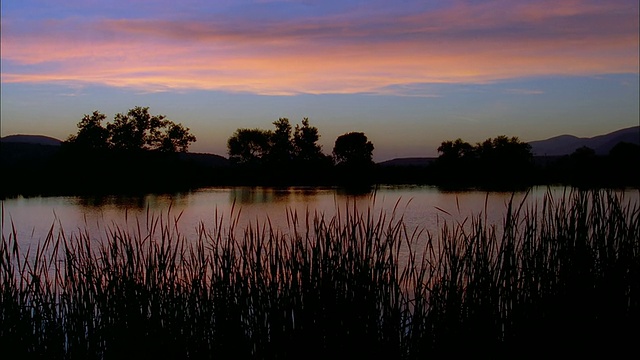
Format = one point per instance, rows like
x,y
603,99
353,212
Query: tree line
x,y
141,152
292,155
134,130
138,130
498,161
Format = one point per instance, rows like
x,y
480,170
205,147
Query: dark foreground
x,y
559,279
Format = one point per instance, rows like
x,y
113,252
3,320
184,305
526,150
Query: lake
x,y
422,208
333,294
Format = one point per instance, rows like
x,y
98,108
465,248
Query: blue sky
x,y
409,74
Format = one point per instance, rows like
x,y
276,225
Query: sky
x,y
409,74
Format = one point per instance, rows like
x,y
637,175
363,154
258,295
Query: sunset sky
x,y
409,74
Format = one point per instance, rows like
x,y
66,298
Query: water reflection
x,y
139,202
421,207
259,195
307,195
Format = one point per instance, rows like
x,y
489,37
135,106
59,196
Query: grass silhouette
x,y
562,275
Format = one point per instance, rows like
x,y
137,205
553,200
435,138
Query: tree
x,y
249,146
457,158
139,130
176,139
128,130
91,134
623,163
281,147
305,143
500,162
625,152
455,150
504,161
353,150
503,151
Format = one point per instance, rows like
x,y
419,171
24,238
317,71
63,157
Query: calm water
x,y
424,208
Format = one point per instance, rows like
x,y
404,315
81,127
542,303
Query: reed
x,y
563,274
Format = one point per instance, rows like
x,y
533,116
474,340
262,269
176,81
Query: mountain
x,y
552,147
31,139
30,149
602,144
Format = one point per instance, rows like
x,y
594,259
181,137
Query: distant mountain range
x,y
602,144
555,146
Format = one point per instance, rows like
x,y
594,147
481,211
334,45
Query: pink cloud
x,y
339,54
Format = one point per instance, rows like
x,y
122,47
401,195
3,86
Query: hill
x,y
29,151
22,146
31,139
602,144
543,150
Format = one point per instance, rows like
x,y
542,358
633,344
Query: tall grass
x,y
563,274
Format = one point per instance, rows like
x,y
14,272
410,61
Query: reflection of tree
x,y
265,195
138,202
259,195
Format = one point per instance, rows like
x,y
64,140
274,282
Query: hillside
x,y
27,151
602,144
39,148
31,139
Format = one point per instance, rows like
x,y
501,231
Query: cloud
x,y
345,52
524,91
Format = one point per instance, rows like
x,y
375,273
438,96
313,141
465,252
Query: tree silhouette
x,y
456,155
128,131
249,146
135,130
91,134
353,150
176,139
305,143
281,147
623,161
457,159
625,152
353,154
504,151
139,130
499,162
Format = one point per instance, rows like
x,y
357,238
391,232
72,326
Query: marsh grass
x,y
562,275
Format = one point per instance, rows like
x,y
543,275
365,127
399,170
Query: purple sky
x,y
409,74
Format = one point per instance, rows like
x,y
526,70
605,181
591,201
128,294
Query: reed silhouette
x,y
560,277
